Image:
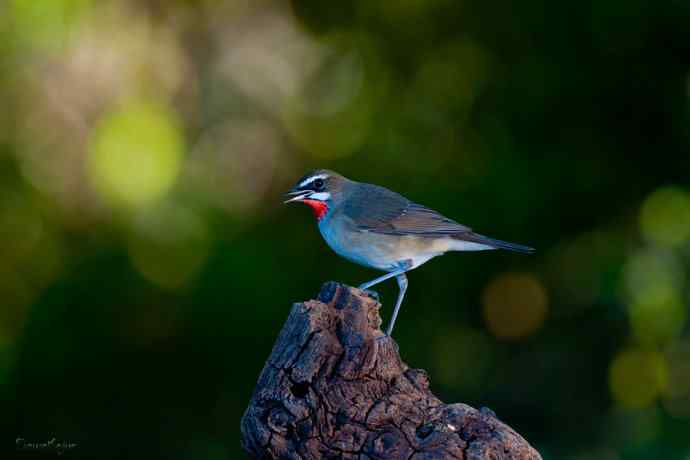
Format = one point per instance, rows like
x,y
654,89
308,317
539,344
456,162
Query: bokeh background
x,y
147,263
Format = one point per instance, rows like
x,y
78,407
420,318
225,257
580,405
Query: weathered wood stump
x,y
336,387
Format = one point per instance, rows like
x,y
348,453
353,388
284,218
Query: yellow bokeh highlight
x,y
515,305
658,315
637,378
647,271
653,282
135,154
665,216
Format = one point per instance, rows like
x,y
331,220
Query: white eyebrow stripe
x,y
311,179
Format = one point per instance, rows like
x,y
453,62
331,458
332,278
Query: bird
x,y
378,228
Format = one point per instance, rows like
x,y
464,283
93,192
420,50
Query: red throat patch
x,y
319,207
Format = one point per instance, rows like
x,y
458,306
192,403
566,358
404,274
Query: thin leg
x,y
403,266
402,284
373,282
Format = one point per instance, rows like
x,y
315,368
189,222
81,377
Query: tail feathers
x,y
500,244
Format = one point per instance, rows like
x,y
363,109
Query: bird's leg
x,y
402,267
365,287
402,284
376,281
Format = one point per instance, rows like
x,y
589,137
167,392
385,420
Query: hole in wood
x,y
300,390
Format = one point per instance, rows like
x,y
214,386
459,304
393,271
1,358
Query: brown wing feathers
x,y
380,210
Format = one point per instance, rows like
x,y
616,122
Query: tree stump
x,y
336,387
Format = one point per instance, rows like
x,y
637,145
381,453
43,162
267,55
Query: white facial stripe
x,y
322,196
311,179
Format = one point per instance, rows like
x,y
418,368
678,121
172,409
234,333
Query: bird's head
x,y
320,190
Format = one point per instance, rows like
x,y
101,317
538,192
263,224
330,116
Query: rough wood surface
x,y
336,387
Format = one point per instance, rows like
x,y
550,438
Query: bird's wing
x,y
380,210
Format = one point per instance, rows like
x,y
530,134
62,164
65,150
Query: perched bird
x,y
381,229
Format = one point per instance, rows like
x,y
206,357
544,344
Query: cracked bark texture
x,y
336,387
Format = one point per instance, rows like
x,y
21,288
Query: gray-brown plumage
x,y
376,227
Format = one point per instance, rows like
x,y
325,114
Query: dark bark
x,y
336,387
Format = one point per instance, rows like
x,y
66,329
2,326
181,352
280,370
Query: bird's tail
x,y
496,244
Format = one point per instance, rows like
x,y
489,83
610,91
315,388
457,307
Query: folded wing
x,y
377,209
380,210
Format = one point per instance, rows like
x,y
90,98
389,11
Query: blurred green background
x,y
147,264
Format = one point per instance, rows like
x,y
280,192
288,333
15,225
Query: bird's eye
x,y
318,184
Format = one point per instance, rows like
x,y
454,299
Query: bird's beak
x,y
296,195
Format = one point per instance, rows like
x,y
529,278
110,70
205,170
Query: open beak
x,y
297,195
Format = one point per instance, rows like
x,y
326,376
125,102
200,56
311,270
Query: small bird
x,y
378,228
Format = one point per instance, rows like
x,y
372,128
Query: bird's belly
x,y
382,252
